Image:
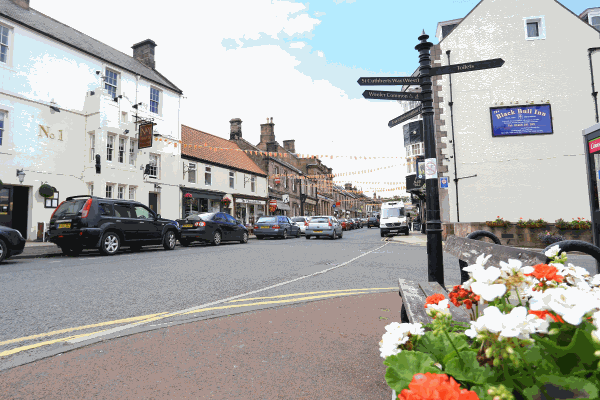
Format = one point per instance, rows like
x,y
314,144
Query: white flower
x,y
510,268
570,303
489,321
552,251
397,334
484,283
443,307
519,324
596,280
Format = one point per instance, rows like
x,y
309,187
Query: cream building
x,y
66,98
545,49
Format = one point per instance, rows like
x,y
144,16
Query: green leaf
x,y
534,357
575,356
581,387
403,366
470,371
439,347
482,392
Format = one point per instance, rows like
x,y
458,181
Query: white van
x,y
393,219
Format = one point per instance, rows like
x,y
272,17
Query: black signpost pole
x,y
435,266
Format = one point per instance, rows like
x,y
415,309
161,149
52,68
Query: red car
x,y
345,224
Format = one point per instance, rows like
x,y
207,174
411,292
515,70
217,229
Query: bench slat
x,y
468,250
414,301
431,288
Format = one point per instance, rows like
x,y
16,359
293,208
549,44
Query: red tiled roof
x,y
236,158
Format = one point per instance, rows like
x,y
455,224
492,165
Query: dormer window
x,y
535,28
595,22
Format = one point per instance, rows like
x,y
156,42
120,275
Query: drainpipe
x,y
594,93
451,103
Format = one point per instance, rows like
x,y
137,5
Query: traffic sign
x,y
376,94
401,80
444,182
406,116
467,67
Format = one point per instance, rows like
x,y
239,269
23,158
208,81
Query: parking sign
x,y
444,182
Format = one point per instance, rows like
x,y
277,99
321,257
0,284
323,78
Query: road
x,y
62,297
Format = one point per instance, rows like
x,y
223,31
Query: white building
x,y
67,97
525,168
215,169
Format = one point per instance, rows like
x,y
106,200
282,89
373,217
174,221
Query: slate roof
x,y
60,32
234,159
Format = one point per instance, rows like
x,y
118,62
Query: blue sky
x,y
297,62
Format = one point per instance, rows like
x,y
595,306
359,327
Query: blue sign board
x,y
444,182
521,120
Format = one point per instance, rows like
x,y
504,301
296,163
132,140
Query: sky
x,y
297,62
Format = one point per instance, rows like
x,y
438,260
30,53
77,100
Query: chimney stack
x,y
290,145
22,3
267,131
144,52
348,186
235,130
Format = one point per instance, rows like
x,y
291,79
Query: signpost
x,y
145,137
433,222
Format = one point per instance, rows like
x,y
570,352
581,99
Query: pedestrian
x,y
409,223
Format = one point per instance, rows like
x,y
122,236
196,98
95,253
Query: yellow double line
x,y
154,317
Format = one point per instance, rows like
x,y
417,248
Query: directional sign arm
x,y
406,116
381,81
467,67
379,95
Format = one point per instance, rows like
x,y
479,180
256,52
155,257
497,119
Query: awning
x,y
309,201
204,194
283,206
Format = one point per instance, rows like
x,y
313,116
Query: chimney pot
x,y
144,52
235,130
267,132
22,3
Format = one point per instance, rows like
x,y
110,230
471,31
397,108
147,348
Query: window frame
x,y
132,151
253,184
3,120
117,79
540,20
158,101
156,167
112,190
132,188
231,179
594,15
122,151
53,202
92,146
110,146
90,186
207,174
192,167
9,44
121,191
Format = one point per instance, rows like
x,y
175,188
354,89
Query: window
x,y
90,189
154,100
207,176
51,203
154,166
143,213
121,192
2,114
132,150
110,83
231,179
92,146
230,219
105,209
276,170
535,28
123,211
253,184
109,191
192,172
121,150
110,145
285,181
595,22
3,44
294,185
131,192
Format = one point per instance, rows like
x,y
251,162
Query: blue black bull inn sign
x,y
521,120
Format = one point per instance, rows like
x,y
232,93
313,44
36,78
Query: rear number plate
x,y
264,227
64,226
318,231
188,226
394,231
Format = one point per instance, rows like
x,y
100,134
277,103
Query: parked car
x,y
211,228
358,222
345,224
354,223
302,223
372,222
90,222
326,225
11,242
275,226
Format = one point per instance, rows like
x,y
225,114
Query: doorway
x,y
20,209
153,202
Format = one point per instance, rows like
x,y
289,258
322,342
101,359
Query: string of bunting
x,y
365,171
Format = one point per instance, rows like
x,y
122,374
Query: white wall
x,y
555,69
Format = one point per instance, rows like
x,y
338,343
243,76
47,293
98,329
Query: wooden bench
x,y
467,250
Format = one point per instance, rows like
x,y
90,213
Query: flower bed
x,y
545,342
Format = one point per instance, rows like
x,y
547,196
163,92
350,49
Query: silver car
x,y
324,225
301,222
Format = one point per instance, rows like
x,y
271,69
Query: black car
x,y
275,226
90,222
373,222
212,228
11,242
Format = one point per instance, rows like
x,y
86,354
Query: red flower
x,y
430,386
547,272
435,299
545,313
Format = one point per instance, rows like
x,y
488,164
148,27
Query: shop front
x,y
14,207
249,208
310,208
198,201
278,207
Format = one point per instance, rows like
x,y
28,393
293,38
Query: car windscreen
x,y
267,220
201,217
298,219
319,220
69,208
392,212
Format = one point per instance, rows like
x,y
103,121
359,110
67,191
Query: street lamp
x,y
21,175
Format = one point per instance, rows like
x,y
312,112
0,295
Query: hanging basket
x,y
225,202
46,191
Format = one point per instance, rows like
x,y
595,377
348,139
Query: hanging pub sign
x,y
521,120
145,136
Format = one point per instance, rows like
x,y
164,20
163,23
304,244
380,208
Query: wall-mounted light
x,y
157,187
126,131
118,97
136,105
53,108
21,175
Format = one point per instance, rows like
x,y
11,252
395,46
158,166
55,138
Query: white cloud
x,y
320,53
297,45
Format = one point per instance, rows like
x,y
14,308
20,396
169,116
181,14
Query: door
x,y
6,206
225,226
153,202
149,228
20,209
125,221
236,230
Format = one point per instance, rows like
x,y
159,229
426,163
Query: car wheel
x,y
334,236
216,238
298,234
169,240
3,250
184,242
369,227
285,236
407,233
307,237
110,244
245,237
341,234
381,233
